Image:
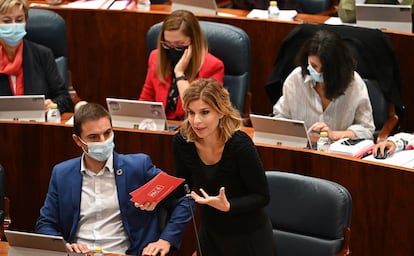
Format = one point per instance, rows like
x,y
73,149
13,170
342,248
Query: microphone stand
x,y
188,192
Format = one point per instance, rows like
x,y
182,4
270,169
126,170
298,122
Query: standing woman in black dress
x,y
221,164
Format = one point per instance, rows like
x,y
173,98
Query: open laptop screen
x,y
135,114
22,108
195,6
24,242
279,131
384,16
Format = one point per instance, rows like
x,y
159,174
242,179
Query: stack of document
x,y
359,149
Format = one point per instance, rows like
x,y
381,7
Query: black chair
x,y
48,28
310,216
376,62
232,46
314,6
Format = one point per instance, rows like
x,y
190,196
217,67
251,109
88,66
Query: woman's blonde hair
x,y
186,23
216,96
7,5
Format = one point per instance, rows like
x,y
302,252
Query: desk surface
x,y
101,40
382,218
4,249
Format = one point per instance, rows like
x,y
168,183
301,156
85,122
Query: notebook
x,y
24,243
195,6
23,108
384,16
135,114
280,131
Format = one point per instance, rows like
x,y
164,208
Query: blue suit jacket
x,y
60,212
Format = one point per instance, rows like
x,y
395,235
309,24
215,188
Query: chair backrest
x,y
48,28
314,6
309,215
372,51
232,46
379,105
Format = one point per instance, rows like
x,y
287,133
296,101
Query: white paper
x,y
403,158
333,21
119,5
263,14
90,4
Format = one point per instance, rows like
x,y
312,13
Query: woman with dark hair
x,y
325,92
221,164
181,57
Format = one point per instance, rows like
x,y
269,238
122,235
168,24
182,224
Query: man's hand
x,y
147,206
152,249
78,248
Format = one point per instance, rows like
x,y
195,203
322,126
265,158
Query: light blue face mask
x,y
100,151
318,77
12,33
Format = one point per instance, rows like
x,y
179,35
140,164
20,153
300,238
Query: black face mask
x,y
175,55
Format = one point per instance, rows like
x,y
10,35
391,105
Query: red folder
x,y
156,189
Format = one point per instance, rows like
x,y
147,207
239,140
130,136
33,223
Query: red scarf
x,y
13,68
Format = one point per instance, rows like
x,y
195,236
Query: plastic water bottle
x,y
144,5
273,10
53,115
98,252
323,142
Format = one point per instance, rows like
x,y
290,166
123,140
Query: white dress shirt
x,y
100,223
351,111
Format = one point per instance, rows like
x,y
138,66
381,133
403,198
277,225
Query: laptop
x,y
280,131
136,114
195,6
25,243
384,16
23,108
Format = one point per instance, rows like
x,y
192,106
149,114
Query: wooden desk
x,y
383,204
107,53
4,248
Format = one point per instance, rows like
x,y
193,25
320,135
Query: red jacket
x,y
155,90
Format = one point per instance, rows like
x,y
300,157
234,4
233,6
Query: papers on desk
x,y
334,21
156,189
263,14
343,147
403,158
89,4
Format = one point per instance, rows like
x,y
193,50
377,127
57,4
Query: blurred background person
x,y
27,68
326,92
346,8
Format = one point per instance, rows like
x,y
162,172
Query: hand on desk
x,y
161,247
78,248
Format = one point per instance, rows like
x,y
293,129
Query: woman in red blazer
x,y
181,57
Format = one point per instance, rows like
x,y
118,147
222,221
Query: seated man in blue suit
x,y
88,201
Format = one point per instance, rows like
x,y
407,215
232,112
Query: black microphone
x,y
188,192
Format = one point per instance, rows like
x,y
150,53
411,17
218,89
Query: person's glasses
x,y
168,46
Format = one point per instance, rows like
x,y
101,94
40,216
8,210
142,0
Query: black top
x,y
40,76
239,170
